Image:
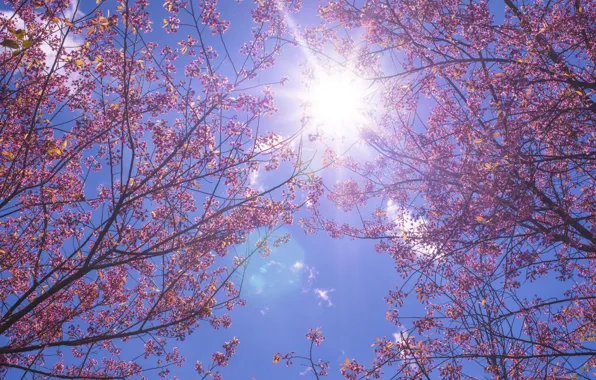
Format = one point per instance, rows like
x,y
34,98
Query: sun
x,y
337,103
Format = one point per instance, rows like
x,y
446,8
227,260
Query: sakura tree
x,y
318,368
482,182
128,159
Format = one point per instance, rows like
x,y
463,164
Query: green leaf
x,y
20,34
9,44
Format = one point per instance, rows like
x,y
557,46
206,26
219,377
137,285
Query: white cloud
x,y
69,12
264,311
306,371
399,338
323,296
307,272
310,273
273,263
297,266
71,41
410,228
253,178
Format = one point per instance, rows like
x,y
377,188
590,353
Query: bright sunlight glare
x,y
337,103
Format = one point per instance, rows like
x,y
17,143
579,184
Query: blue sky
x,y
352,276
